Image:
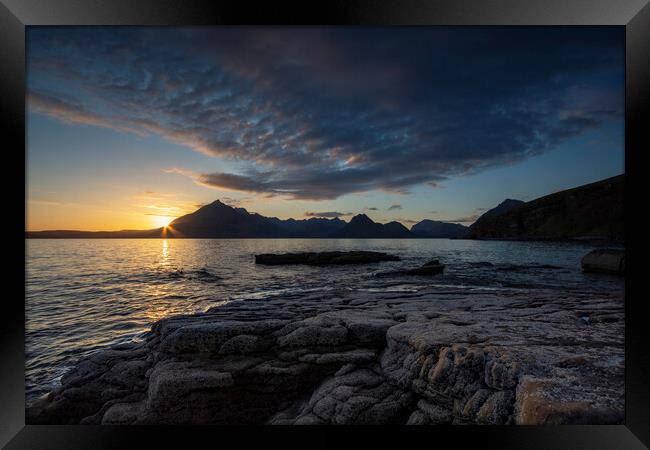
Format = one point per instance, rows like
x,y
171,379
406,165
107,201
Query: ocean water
x,y
83,294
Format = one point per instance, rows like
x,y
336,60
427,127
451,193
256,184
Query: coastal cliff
x,y
591,211
433,357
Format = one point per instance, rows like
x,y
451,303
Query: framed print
x,y
416,218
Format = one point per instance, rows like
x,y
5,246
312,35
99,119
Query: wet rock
x,y
605,260
324,258
525,267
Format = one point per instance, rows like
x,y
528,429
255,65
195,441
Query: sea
x,y
85,294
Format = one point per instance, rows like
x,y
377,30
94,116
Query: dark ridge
x,y
362,227
437,229
593,211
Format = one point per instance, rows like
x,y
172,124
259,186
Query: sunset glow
x,y
314,122
161,221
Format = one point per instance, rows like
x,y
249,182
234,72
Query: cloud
x,y
325,112
155,195
466,219
158,207
52,203
73,112
298,185
327,214
372,208
232,182
394,207
406,220
230,201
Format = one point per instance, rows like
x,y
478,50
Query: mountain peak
x,y
362,226
361,219
219,205
502,208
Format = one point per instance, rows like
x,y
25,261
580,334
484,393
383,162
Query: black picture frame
x,y
15,15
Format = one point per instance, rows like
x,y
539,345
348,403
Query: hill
x,y
594,210
437,229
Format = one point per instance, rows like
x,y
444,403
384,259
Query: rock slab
x,y
445,356
323,258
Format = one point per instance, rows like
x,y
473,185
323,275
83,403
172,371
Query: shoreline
x,y
439,356
573,240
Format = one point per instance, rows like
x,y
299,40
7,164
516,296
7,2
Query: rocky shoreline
x,y
443,356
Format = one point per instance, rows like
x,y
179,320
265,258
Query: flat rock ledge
x,y
323,258
447,356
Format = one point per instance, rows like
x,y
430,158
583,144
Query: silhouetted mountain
x,y
437,229
503,207
217,220
220,220
361,226
396,230
314,227
592,210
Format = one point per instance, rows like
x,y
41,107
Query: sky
x,y
129,127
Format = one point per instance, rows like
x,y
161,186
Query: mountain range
x,y
218,220
436,228
591,210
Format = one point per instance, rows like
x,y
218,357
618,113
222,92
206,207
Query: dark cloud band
x,y
320,113
326,214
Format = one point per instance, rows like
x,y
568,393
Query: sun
x,y
162,221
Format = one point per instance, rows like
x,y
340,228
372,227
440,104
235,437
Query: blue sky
x,y
130,127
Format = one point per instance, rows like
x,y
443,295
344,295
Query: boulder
x,y
323,258
605,260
